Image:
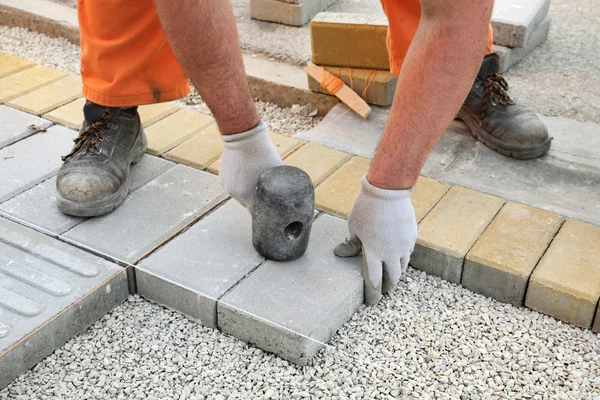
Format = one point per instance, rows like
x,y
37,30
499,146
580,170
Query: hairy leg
x,y
203,36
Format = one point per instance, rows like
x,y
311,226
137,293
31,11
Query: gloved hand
x,y
245,156
383,225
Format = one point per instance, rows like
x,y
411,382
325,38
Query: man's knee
x,y
452,10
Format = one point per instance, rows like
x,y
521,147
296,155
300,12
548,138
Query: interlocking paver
x,y
566,282
515,20
201,150
282,143
175,129
511,56
37,206
191,272
148,215
450,229
337,193
71,114
49,292
150,113
295,13
50,96
317,161
290,308
426,195
501,261
32,160
24,81
10,64
16,125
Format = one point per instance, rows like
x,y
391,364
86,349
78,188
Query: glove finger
x,y
392,271
350,248
372,274
404,265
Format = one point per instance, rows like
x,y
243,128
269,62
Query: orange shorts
x,y
127,61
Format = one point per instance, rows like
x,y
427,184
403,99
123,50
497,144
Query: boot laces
x,y
496,89
89,137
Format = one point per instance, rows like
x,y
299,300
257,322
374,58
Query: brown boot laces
x,y
90,137
496,89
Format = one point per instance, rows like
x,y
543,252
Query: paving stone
x,y
317,161
501,261
346,131
381,84
10,64
514,21
596,327
283,144
566,282
511,56
49,292
337,193
201,150
16,125
151,113
450,229
175,129
295,13
289,308
426,195
71,114
24,81
50,96
148,215
349,40
33,160
37,207
191,272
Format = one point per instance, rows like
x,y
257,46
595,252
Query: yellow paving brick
x,y
10,64
71,114
450,229
426,195
283,143
151,113
25,81
50,96
199,151
317,161
337,193
566,282
501,261
175,129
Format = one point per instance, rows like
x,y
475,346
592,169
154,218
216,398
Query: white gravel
x,y
64,56
429,339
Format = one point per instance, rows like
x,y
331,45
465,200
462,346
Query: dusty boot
x,y
495,120
94,178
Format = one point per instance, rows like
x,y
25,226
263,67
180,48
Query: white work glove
x,y
383,225
246,156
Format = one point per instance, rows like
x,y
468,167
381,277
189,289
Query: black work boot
x,y
495,120
94,178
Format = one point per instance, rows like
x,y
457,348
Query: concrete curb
x,y
273,82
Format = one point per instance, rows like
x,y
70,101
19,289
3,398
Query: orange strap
x,y
370,78
330,82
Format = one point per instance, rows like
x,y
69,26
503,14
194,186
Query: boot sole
x,y
518,152
108,204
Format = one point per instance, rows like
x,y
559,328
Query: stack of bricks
x,y
519,27
353,47
288,12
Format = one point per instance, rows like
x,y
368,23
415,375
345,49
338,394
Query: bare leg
x,y
203,36
438,71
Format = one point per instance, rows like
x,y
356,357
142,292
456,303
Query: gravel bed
x,y
60,54
428,339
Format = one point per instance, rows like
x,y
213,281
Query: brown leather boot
x,y
94,178
495,120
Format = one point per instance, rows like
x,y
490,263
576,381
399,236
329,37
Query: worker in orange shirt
x,y
142,52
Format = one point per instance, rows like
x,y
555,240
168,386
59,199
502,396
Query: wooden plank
x,y
345,94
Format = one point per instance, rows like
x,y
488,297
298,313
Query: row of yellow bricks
x,y
560,259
